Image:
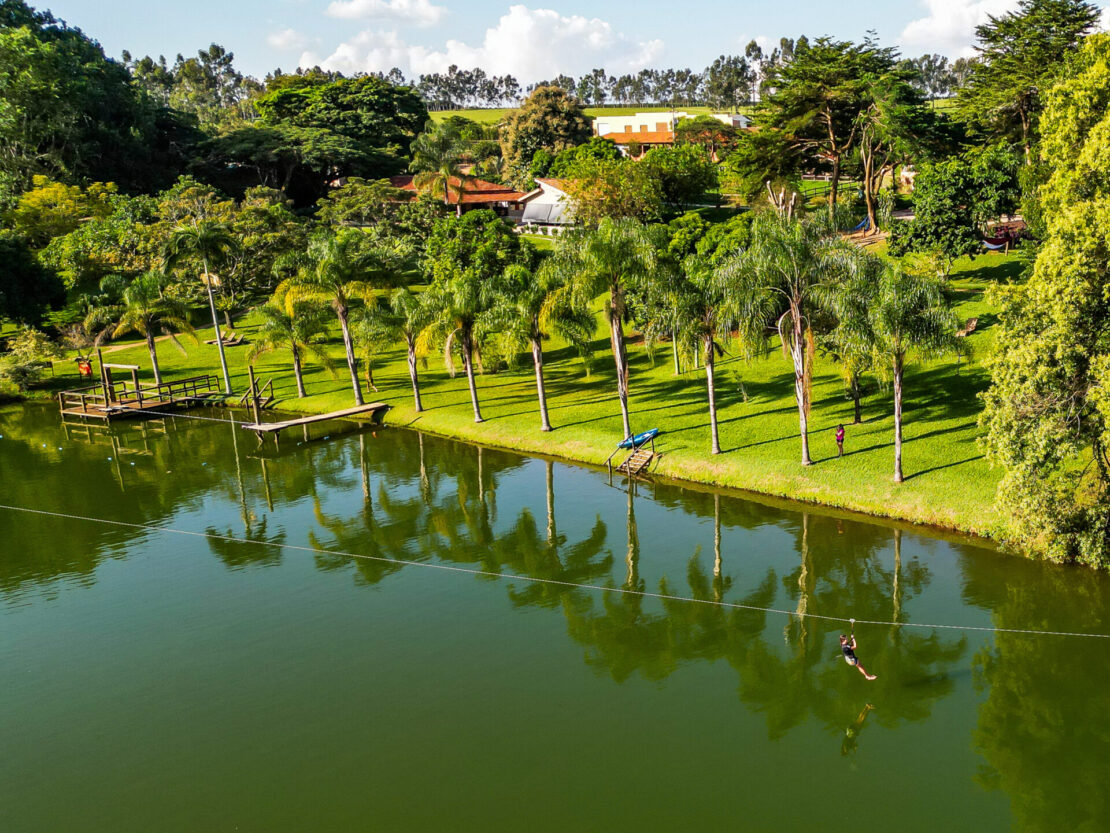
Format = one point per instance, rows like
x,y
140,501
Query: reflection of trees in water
x,y
1042,727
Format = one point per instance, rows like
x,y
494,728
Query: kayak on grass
x,y
639,439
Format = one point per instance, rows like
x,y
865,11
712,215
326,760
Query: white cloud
x,y
532,44
949,26
287,40
412,12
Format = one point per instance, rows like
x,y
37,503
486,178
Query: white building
x,y
547,205
660,122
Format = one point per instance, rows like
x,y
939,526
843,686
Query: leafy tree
x,y
728,82
66,111
359,203
209,87
465,258
944,213
714,135
1047,413
148,310
685,172
909,316
788,275
722,240
564,162
51,209
609,259
549,118
600,189
934,77
303,333
1020,54
29,351
337,268
299,161
210,242
368,110
27,288
817,99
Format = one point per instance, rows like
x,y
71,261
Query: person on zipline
x,y
848,648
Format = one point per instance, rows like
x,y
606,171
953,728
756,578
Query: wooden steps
x,y
637,461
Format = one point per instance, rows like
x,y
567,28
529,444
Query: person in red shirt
x,y
840,441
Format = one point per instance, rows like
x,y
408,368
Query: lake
x,y
300,662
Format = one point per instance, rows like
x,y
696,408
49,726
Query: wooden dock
x,y
637,461
376,410
130,399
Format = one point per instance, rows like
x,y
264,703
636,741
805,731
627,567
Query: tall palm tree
x,y
456,305
303,333
146,310
212,242
789,273
404,316
339,269
910,315
702,316
439,159
608,259
530,303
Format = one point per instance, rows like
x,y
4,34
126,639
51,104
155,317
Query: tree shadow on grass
x,y
944,466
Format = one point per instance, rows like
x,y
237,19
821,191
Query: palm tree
x,y
456,305
438,157
530,304
789,273
212,242
852,342
702,310
146,310
608,259
404,316
338,269
910,315
303,333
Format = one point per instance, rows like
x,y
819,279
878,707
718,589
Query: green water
x,y
154,681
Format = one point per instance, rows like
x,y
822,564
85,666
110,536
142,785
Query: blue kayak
x,y
639,439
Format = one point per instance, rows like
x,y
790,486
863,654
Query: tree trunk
x,y
348,346
834,187
710,357
297,374
898,361
674,352
411,342
537,359
216,327
798,354
153,357
227,319
857,395
620,355
468,363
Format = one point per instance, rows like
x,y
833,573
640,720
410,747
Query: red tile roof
x,y
559,184
645,137
475,191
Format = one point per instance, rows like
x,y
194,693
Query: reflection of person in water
x,y
851,734
848,647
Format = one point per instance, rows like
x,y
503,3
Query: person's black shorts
x,y
851,659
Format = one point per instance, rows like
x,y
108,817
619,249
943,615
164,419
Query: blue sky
x,y
532,39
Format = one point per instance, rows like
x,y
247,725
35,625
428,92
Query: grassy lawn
x,y
949,483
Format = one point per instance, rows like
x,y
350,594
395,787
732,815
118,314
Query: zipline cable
x,y
537,580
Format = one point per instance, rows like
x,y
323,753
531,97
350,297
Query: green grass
x,y
949,483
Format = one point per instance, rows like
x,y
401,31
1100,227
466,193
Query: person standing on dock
x,y
848,648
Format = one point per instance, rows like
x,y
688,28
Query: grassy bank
x,y
949,484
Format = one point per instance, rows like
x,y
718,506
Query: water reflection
x,y
400,496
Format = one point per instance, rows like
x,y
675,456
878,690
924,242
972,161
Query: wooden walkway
x,y
129,399
375,409
637,461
